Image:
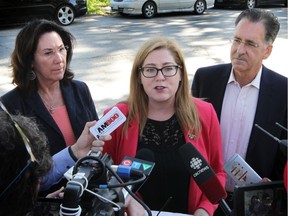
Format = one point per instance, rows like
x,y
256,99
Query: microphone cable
x,y
165,204
124,184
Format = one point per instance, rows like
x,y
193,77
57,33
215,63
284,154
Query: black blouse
x,y
169,178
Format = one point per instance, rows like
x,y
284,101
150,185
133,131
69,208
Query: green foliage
x,y
96,6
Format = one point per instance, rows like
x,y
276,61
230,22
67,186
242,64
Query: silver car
x,y
149,8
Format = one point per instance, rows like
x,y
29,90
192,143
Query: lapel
x,y
219,87
71,106
265,94
69,100
263,109
35,103
128,146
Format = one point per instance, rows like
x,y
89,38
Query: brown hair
x,y
186,112
25,46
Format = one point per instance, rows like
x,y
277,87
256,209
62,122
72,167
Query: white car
x,y
149,8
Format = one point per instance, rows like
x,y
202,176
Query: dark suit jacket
x,y
263,153
79,104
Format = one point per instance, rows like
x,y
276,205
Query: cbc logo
x,y
195,163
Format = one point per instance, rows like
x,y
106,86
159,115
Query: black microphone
x,y
281,126
143,162
202,173
204,176
145,154
283,147
283,143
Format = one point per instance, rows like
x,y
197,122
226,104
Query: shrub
x,y
95,6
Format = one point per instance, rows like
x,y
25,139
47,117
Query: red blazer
x,y
209,144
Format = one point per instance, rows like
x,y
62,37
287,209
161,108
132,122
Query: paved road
x,y
106,47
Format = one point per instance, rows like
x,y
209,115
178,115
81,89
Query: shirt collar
x,y
255,82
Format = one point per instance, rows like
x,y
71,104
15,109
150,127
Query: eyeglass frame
x,y
27,144
141,69
238,41
49,53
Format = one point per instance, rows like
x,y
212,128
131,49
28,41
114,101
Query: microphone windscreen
x,y
145,154
202,173
144,161
213,190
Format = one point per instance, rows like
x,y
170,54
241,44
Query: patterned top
x,y
164,138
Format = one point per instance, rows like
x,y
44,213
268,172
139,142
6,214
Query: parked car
x,y
248,3
21,11
149,8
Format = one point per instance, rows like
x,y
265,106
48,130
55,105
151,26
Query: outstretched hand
x,y
87,142
97,145
57,194
83,144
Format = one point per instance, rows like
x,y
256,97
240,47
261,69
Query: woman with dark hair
x,y
45,88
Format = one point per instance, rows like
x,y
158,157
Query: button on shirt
x,y
237,117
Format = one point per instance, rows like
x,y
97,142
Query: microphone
x,y
202,173
145,154
283,143
283,147
133,168
127,171
204,176
142,163
281,126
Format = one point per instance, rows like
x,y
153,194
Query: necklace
x,y
50,106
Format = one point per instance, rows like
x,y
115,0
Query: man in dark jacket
x,y
245,93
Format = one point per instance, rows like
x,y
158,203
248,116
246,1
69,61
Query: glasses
x,y
27,144
168,71
49,53
249,44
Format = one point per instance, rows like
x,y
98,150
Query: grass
x,y
96,6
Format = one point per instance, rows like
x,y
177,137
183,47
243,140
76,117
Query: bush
x,y
95,6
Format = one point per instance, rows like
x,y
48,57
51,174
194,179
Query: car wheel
x,y
199,6
65,15
149,10
251,4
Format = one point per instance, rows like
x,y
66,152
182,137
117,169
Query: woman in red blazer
x,y
162,116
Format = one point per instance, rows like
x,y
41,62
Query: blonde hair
x,y
137,101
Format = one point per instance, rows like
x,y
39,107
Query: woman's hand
x,y
86,142
97,145
134,208
57,194
83,144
